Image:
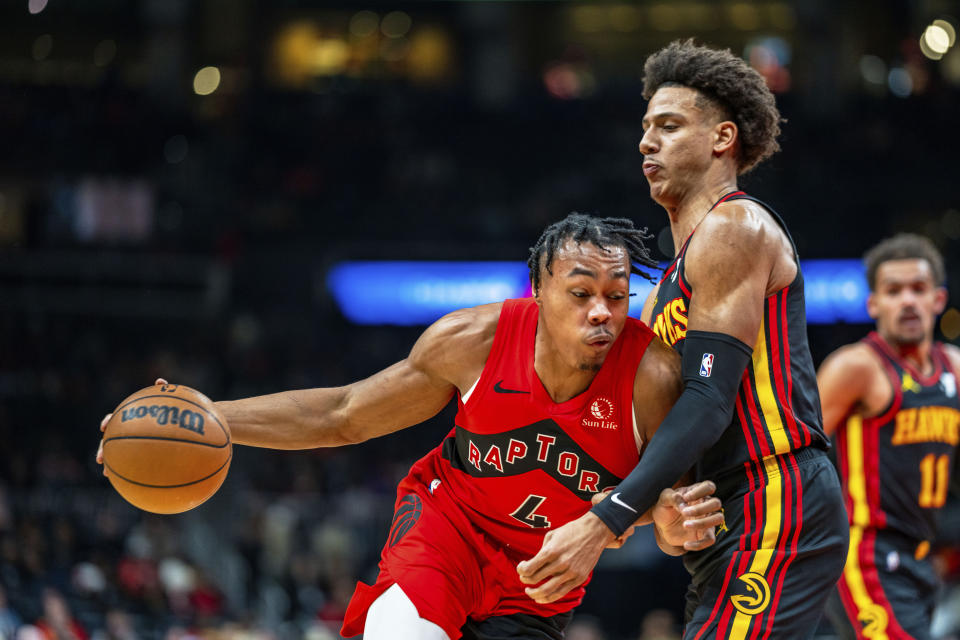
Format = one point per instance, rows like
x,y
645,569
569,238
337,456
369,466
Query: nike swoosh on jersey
x,y
500,389
615,498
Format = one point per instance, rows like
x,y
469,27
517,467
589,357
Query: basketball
x,y
166,449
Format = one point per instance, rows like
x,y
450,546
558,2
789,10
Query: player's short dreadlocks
x,y
904,246
731,85
600,232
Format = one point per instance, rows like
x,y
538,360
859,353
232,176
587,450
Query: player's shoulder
x,y
952,352
458,338
741,228
660,365
466,324
855,359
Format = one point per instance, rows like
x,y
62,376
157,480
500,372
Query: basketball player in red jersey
x,y
892,401
731,303
556,395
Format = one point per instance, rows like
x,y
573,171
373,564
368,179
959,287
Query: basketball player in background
x,y
892,401
731,303
557,394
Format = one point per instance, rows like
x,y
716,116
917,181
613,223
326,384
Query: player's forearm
x,y
302,419
694,424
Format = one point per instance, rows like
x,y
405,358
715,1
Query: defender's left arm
x,y
732,261
684,517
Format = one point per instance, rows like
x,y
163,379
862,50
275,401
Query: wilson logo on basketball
x,y
163,414
601,410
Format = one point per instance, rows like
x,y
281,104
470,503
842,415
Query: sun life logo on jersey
x,y
601,410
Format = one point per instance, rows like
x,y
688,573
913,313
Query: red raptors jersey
x,y
518,464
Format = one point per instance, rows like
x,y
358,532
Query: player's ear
x,y
872,309
725,136
940,300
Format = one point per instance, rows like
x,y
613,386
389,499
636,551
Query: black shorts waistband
x,y
737,477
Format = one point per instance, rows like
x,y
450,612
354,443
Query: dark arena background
x,y
195,190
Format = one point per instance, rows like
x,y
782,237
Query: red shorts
x,y
447,567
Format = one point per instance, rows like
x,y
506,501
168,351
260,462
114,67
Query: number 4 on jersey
x,y
527,513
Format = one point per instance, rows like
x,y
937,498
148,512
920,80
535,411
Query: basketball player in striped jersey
x,y
891,400
731,303
556,395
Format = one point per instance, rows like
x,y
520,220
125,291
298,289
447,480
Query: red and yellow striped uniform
x,y
772,475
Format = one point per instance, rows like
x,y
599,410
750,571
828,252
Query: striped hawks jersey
x,y
778,407
896,466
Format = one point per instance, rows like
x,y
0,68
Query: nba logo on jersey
x,y
949,384
706,365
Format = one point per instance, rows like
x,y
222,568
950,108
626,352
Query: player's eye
x,y
579,294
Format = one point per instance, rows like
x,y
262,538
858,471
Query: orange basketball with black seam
x,y
166,449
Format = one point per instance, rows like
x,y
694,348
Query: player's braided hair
x,y
731,85
600,232
904,246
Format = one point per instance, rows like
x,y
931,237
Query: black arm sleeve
x,y
712,365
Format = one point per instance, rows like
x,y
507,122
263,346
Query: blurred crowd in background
x,y
177,177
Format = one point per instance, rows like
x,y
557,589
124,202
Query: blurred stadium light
x,y
417,293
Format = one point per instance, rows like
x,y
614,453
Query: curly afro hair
x,y
737,90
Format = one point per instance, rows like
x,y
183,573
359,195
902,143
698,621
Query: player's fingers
x,y
696,545
707,523
672,497
161,381
554,589
698,490
100,452
598,497
106,419
701,508
536,568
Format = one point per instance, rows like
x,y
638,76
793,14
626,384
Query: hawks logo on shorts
x,y
753,595
406,516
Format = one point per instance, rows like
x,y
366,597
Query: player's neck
x,y
917,354
688,211
561,381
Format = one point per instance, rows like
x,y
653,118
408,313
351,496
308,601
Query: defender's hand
x,y
103,427
687,517
565,559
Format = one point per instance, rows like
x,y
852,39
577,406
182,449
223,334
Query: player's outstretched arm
x,y
449,355
844,380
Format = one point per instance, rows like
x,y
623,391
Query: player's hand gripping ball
x,y
166,449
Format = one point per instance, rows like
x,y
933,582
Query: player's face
x,y
906,302
583,304
677,143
